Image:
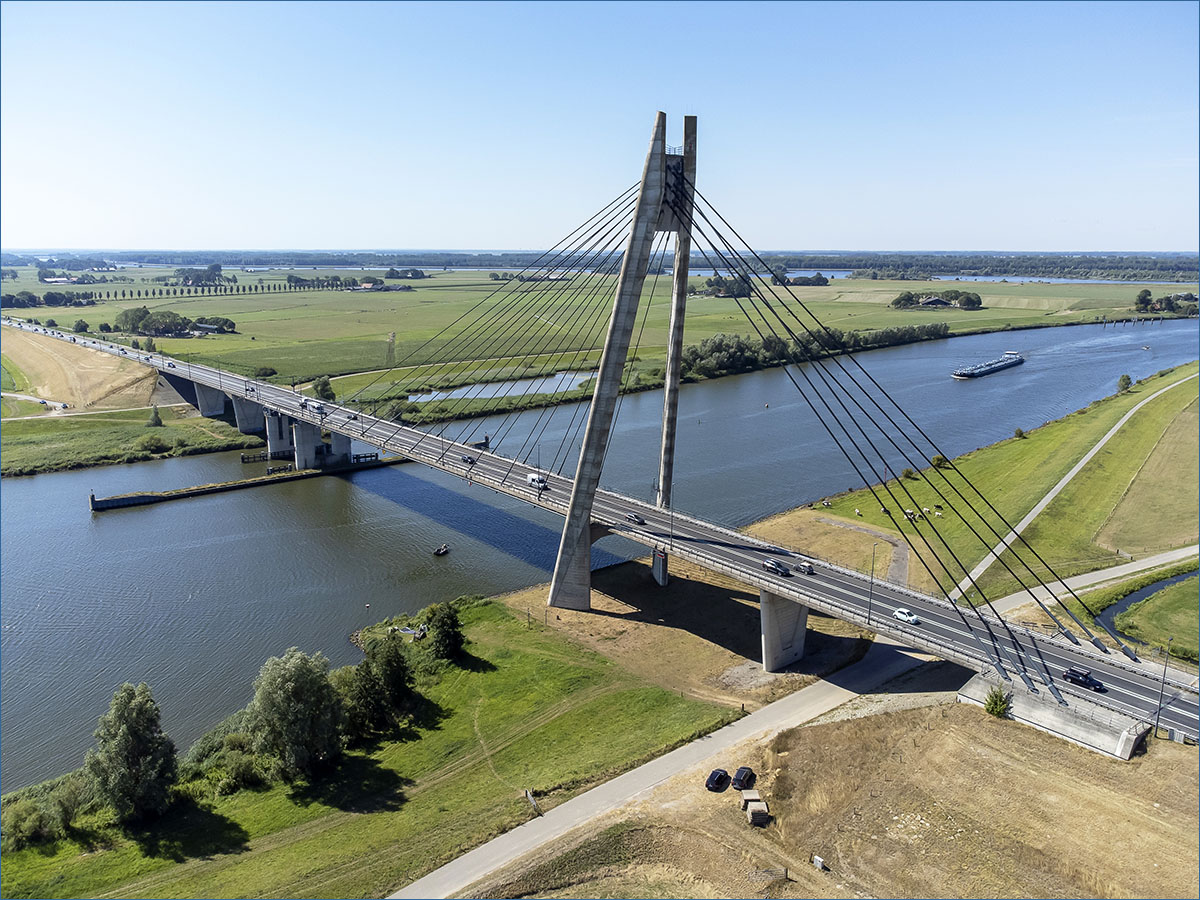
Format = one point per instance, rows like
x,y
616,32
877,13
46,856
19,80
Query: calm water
x,y
546,384
193,596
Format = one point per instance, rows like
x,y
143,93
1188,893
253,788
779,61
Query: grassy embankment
x,y
529,710
1167,614
13,379
1016,473
72,442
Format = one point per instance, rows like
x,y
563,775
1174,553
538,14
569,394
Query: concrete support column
x,y
209,401
279,433
309,446
248,415
571,586
658,568
339,449
784,626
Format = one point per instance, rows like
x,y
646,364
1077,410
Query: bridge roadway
x,y
981,642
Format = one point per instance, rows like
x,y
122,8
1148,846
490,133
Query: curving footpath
x,y
883,662
995,552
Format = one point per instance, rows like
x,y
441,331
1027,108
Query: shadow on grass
x,y
189,831
472,663
360,784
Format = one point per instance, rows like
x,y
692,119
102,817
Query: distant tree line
x,y
1181,303
28,299
724,354
963,299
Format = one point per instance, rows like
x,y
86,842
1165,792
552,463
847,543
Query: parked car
x,y
905,615
718,780
775,566
634,518
1083,678
743,778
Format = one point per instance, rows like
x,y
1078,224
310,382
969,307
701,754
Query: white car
x,y
905,615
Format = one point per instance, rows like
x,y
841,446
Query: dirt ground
x,y
700,635
933,800
81,378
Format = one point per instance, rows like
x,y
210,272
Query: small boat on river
x,y
1007,361
442,550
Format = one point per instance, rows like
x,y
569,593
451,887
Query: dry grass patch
x,y
699,636
77,376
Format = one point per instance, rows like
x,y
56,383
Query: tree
x,y
1124,383
1143,300
155,420
939,461
148,344
969,301
296,715
323,389
361,693
105,328
133,766
997,702
50,323
1019,433
80,326
390,663
135,344
445,631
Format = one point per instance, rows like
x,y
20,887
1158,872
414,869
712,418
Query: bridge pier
x,y
248,415
209,401
279,433
574,583
339,449
784,625
309,447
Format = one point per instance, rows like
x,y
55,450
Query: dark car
x,y
634,518
1083,678
775,566
718,780
743,778
469,460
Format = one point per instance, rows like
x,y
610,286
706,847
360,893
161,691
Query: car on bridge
x,y
906,615
804,568
1083,678
469,460
634,518
775,566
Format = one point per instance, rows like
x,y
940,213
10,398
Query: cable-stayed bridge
x,y
556,313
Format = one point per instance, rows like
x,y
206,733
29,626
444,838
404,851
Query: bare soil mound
x,y
77,376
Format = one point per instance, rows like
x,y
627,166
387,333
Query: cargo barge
x,y
1007,361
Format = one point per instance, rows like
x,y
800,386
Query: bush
x,y
105,328
909,473
997,703
940,462
152,443
25,822
155,420
1019,434
264,372
80,326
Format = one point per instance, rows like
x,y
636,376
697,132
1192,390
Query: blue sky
x,y
1012,126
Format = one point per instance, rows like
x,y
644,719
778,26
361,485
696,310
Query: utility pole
x,y
1163,685
871,584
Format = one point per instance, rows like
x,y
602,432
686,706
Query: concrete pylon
x,y
679,200
571,585
784,625
279,433
248,415
339,449
210,401
309,446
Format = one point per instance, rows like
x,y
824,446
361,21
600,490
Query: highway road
x,y
978,640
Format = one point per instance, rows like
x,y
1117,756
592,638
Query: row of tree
x,y
29,300
300,720
961,299
724,354
1182,303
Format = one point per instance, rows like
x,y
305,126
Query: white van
x,y
536,480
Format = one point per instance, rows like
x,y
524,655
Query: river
x,y
193,596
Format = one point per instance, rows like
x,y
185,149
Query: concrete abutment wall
x,y
784,625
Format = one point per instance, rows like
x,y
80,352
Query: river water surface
x,y
192,596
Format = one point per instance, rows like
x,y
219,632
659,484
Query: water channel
x,y
193,596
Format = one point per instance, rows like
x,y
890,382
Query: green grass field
x,y
1173,612
1014,474
69,442
13,379
303,334
532,711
